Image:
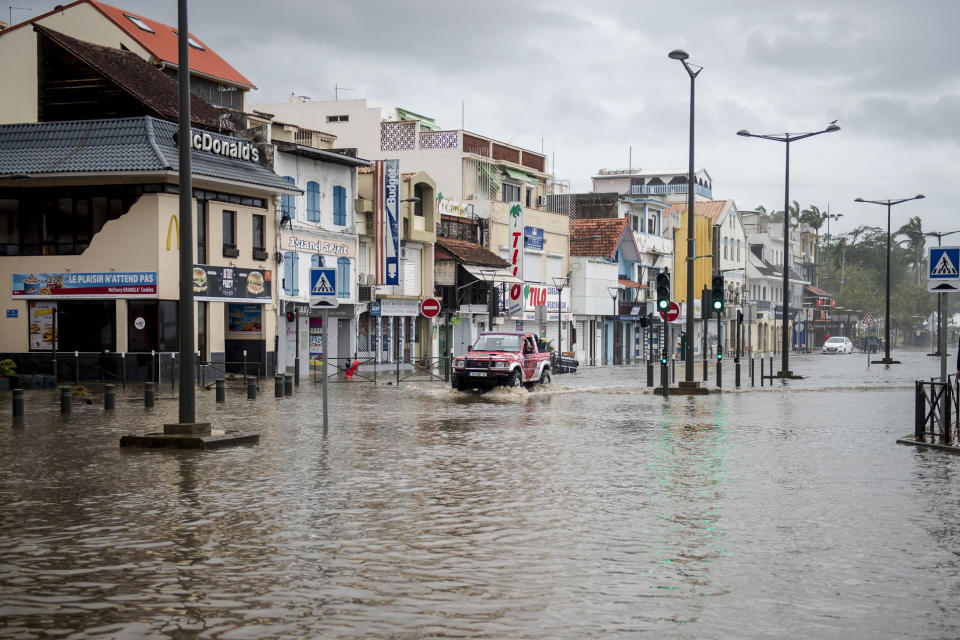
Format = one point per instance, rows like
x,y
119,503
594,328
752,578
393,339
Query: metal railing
x,y
367,370
668,189
937,411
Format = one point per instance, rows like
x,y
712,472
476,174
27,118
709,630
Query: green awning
x,y
520,175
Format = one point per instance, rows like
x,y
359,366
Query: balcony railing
x,y
668,189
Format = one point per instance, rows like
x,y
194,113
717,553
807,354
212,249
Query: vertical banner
x,y
515,304
387,210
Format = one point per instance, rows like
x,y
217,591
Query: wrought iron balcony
x,y
668,189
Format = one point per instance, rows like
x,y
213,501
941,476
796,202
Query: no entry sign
x,y
430,307
673,313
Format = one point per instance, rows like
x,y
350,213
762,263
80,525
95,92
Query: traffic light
x,y
663,358
720,352
716,293
663,291
290,316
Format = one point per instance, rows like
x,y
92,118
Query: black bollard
x,y
278,386
109,397
719,374
673,370
649,374
704,369
288,384
761,371
252,389
18,403
221,386
752,372
148,395
66,400
736,378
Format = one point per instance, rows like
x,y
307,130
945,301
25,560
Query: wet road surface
x,y
589,509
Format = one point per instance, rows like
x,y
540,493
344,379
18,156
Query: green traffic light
x,y
719,356
663,304
717,304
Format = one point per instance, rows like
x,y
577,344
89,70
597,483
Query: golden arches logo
x,y
174,222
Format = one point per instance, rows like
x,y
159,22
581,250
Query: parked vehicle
x,y
502,358
837,344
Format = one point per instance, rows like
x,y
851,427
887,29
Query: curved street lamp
x,y
682,56
886,323
787,138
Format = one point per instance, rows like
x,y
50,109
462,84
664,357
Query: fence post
x,y
76,368
761,371
173,367
123,369
244,366
109,397
918,411
945,424
18,403
153,365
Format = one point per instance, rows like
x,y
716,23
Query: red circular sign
x,y
430,307
673,313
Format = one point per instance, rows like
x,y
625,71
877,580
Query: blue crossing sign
x,y
944,269
323,287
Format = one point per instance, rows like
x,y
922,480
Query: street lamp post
x,y
942,313
679,54
559,282
614,293
787,138
830,216
886,323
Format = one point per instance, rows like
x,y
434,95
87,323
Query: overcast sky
x,y
586,81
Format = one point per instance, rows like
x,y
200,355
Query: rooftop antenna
x,y
630,161
10,13
337,89
461,115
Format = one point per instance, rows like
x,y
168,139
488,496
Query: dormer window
x,y
140,23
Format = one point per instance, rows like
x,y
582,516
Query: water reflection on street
x,y
590,508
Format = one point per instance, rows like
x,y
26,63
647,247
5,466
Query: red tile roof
x,y
596,237
711,209
163,45
630,284
470,253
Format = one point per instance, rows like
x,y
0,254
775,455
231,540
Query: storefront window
x,y
88,326
152,325
229,233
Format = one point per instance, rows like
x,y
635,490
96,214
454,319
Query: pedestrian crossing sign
x,y
944,269
323,283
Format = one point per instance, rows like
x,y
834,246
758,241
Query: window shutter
x,y
339,206
288,272
313,202
288,205
296,274
343,277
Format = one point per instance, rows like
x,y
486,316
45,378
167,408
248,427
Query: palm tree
x,y
915,243
813,217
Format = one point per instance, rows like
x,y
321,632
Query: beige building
x,y
89,242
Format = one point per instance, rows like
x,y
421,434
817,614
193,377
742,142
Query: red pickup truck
x,y
502,358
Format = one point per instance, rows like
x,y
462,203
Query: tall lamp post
x,y
679,54
614,293
886,323
942,312
787,138
559,282
828,217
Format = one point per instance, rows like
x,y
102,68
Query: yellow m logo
x,y
174,222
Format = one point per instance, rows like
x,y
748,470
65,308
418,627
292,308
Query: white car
x,y
837,344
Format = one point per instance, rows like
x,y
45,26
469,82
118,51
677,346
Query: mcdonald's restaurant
x,y
89,250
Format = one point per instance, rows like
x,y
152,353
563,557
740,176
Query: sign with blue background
x,y
944,269
323,283
533,238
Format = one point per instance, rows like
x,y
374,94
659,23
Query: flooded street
x,y
591,508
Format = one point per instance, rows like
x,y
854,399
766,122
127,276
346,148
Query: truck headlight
x,y
458,363
499,364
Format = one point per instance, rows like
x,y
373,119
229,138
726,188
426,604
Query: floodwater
x,y
587,509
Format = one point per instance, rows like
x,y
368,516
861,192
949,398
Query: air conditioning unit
x,y
362,278
541,201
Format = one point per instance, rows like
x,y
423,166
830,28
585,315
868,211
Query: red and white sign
x,y
515,304
430,307
869,320
673,313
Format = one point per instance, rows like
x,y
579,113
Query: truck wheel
x,y
515,381
456,382
545,376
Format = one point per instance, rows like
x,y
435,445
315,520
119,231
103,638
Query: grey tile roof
x,y
125,145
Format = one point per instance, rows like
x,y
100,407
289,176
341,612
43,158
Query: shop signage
x,y
222,146
40,315
533,238
515,248
226,284
139,323
396,307
453,208
387,208
375,308
312,242
13,313
110,284
535,296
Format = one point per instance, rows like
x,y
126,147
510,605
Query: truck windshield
x,y
497,343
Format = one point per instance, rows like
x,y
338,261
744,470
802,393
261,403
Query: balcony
x,y
668,189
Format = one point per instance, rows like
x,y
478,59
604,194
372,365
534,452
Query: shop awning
x,y
492,274
519,175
